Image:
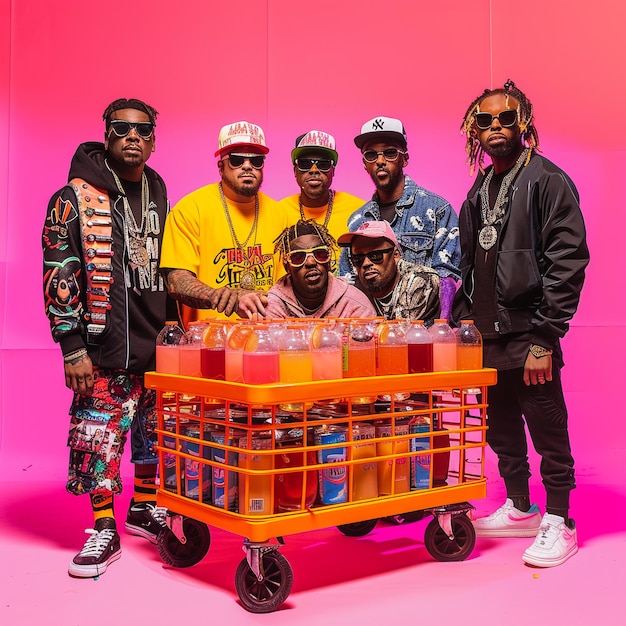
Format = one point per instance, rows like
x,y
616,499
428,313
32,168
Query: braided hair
x,y
530,137
282,243
129,103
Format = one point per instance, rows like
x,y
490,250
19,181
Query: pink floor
x,y
382,578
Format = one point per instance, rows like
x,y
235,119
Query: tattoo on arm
x,y
185,287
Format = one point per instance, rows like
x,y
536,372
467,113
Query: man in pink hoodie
x,y
309,288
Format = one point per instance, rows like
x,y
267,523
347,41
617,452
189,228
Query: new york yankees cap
x,y
380,128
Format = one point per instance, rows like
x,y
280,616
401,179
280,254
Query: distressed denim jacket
x,y
427,229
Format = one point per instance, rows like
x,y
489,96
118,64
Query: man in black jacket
x,y
106,303
523,263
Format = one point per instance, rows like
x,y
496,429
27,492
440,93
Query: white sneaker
x,y
508,521
554,544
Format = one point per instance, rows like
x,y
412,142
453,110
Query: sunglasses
x,y
390,154
122,128
376,256
323,165
506,118
237,160
297,258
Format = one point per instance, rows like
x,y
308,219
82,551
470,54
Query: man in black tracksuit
x,y
523,263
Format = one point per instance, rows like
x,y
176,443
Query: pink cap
x,y
249,137
373,230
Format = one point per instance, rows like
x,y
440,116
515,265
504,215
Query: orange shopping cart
x,y
267,461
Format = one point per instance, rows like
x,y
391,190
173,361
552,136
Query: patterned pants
x,y
98,429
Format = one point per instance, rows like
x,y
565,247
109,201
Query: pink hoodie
x,y
342,300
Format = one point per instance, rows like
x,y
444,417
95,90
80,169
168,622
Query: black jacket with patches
x,y
137,296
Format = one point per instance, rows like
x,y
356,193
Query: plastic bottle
x,y
420,345
167,348
233,356
294,356
213,354
326,352
260,357
444,346
392,353
190,350
469,346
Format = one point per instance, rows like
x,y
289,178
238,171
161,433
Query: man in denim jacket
x,y
424,223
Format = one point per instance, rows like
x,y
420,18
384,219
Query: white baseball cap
x,y
380,128
241,135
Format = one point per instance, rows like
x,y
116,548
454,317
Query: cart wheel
x,y
358,529
405,518
442,548
266,595
178,554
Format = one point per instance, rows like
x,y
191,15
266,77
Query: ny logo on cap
x,y
377,124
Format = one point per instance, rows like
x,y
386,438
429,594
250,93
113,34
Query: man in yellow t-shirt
x,y
314,160
219,240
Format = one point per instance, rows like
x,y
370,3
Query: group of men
x,y
116,259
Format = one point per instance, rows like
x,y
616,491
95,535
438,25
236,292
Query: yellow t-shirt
x,y
197,238
344,205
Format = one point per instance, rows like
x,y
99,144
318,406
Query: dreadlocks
x,y
282,243
475,153
131,103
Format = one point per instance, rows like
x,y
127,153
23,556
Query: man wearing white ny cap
x,y
396,288
424,223
314,160
219,239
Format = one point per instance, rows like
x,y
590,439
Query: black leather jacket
x,y
542,254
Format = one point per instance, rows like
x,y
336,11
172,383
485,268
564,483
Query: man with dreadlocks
x,y
309,288
106,304
524,255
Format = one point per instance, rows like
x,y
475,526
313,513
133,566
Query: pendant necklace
x,y
488,234
135,236
248,278
329,210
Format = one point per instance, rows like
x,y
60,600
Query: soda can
x,y
170,459
225,479
196,473
332,481
420,463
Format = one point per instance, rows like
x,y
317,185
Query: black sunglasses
x,y
389,154
375,256
297,258
237,160
506,118
122,128
323,165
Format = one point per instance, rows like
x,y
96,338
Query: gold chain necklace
x,y
329,211
248,278
135,236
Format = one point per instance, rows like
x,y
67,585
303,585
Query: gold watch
x,y
539,351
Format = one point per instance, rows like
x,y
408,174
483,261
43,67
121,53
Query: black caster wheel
x,y
178,554
405,518
442,548
358,529
267,594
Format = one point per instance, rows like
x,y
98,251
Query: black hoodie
x,y
137,296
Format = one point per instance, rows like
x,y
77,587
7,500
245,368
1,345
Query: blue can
x,y
196,473
225,479
333,488
420,463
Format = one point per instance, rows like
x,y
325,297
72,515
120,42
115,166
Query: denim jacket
x,y
427,229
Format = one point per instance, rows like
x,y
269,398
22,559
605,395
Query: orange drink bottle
x,y
392,352
390,481
255,491
365,475
469,346
260,357
236,339
168,348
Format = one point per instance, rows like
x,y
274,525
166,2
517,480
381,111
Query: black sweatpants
x,y
543,408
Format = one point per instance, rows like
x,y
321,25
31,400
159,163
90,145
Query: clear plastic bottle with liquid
x,y
469,346
168,348
190,350
444,346
420,345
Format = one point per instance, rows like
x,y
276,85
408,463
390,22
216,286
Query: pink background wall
x,y
290,67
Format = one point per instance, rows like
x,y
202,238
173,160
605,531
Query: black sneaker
x,y
145,519
100,550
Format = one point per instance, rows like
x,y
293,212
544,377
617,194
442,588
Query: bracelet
x,y
539,351
72,357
